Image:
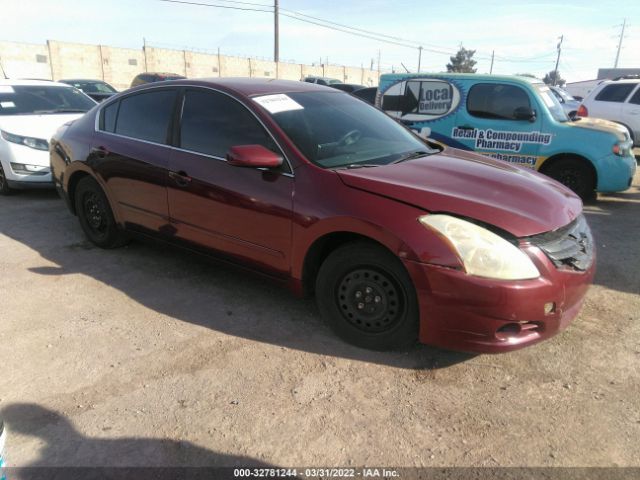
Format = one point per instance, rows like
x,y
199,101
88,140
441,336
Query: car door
x,y
242,212
131,153
494,123
631,114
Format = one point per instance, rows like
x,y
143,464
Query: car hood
x,y
37,126
511,198
602,125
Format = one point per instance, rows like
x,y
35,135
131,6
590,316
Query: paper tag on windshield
x,y
6,89
7,105
278,103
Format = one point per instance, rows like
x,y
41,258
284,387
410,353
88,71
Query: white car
x,y
616,100
30,113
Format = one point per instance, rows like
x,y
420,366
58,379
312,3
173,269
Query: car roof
x,y
82,80
32,83
248,87
464,76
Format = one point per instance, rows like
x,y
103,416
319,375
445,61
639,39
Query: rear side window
x,y
494,100
615,93
146,116
636,97
108,120
213,122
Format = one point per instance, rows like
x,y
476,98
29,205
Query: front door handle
x,y
100,152
464,127
181,178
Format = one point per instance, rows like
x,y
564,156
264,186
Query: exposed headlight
x,y
37,143
623,149
483,253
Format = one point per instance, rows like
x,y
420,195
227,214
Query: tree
x,y
554,78
462,62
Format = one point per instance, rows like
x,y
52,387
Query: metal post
x,y
624,23
555,76
419,57
491,68
144,51
276,40
101,61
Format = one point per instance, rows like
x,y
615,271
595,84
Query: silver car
x,y
569,104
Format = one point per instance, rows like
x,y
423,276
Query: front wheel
x,y
4,185
95,215
366,295
574,174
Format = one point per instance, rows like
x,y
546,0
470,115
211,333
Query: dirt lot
x,y
149,356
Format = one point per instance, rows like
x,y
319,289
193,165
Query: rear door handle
x,y
181,178
100,152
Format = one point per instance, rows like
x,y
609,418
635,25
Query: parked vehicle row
x,y
515,119
399,238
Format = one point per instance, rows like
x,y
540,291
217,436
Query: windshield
x,y
336,130
93,87
551,102
36,100
564,95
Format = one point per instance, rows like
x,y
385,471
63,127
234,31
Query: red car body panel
x,y
272,221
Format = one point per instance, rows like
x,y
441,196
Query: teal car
x,y
515,119
3,437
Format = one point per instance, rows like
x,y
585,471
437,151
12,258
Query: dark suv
x,y
151,77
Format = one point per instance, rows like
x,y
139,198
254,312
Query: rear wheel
x,y
4,185
574,174
366,295
95,215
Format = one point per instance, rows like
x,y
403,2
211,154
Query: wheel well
x,y
320,250
71,188
549,162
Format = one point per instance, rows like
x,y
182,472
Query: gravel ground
x,y
147,355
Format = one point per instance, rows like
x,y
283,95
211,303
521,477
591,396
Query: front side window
x,y
213,122
636,97
615,93
146,116
42,100
336,130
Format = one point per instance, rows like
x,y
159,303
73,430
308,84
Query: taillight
x,y
582,111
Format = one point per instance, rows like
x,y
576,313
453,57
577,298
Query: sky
x,y
522,34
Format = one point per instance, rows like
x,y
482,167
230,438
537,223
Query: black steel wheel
x,y
366,295
4,185
575,174
95,215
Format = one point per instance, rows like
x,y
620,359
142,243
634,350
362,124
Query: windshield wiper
x,y
351,166
412,155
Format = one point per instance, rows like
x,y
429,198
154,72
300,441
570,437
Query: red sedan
x,y
400,240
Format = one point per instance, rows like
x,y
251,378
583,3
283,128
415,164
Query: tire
x,y
367,297
574,174
95,215
4,186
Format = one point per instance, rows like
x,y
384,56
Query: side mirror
x,y
524,113
255,156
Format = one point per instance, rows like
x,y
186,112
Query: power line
x,y
340,27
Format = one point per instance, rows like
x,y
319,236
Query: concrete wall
x,y
117,66
25,60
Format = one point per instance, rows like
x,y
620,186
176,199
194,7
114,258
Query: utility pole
x,y
555,76
624,24
491,68
276,33
419,57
